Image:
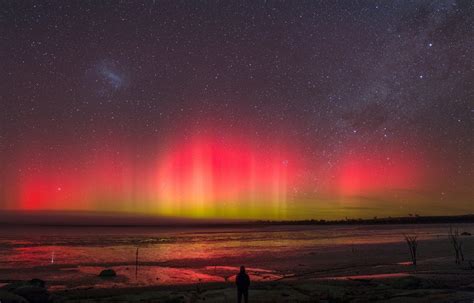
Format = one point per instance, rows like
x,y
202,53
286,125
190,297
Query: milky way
x,y
318,109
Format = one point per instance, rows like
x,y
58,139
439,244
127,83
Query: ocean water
x,y
74,256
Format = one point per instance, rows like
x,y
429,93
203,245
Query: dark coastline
x,y
380,221
203,223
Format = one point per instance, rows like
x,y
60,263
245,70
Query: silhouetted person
x,y
242,281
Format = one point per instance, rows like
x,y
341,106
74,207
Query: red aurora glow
x,y
365,175
202,178
228,177
212,178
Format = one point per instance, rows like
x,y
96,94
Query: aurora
x,y
254,112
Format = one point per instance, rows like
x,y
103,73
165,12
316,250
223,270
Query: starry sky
x,y
237,109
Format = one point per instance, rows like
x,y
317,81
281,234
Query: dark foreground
x,y
456,285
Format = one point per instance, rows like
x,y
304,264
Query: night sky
x,y
262,110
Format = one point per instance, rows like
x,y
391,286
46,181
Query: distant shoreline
x,y
381,221
416,219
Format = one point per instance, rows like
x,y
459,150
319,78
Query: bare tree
x,y
412,243
136,264
457,243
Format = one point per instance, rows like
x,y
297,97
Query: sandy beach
x,y
286,264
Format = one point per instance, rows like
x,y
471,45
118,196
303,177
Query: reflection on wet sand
x,y
87,276
182,256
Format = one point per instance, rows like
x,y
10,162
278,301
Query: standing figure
x,y
242,281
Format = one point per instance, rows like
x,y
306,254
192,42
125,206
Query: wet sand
x,y
434,280
358,271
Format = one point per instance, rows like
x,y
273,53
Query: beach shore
x,y
346,271
453,286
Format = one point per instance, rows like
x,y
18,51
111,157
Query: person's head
x,y
242,269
